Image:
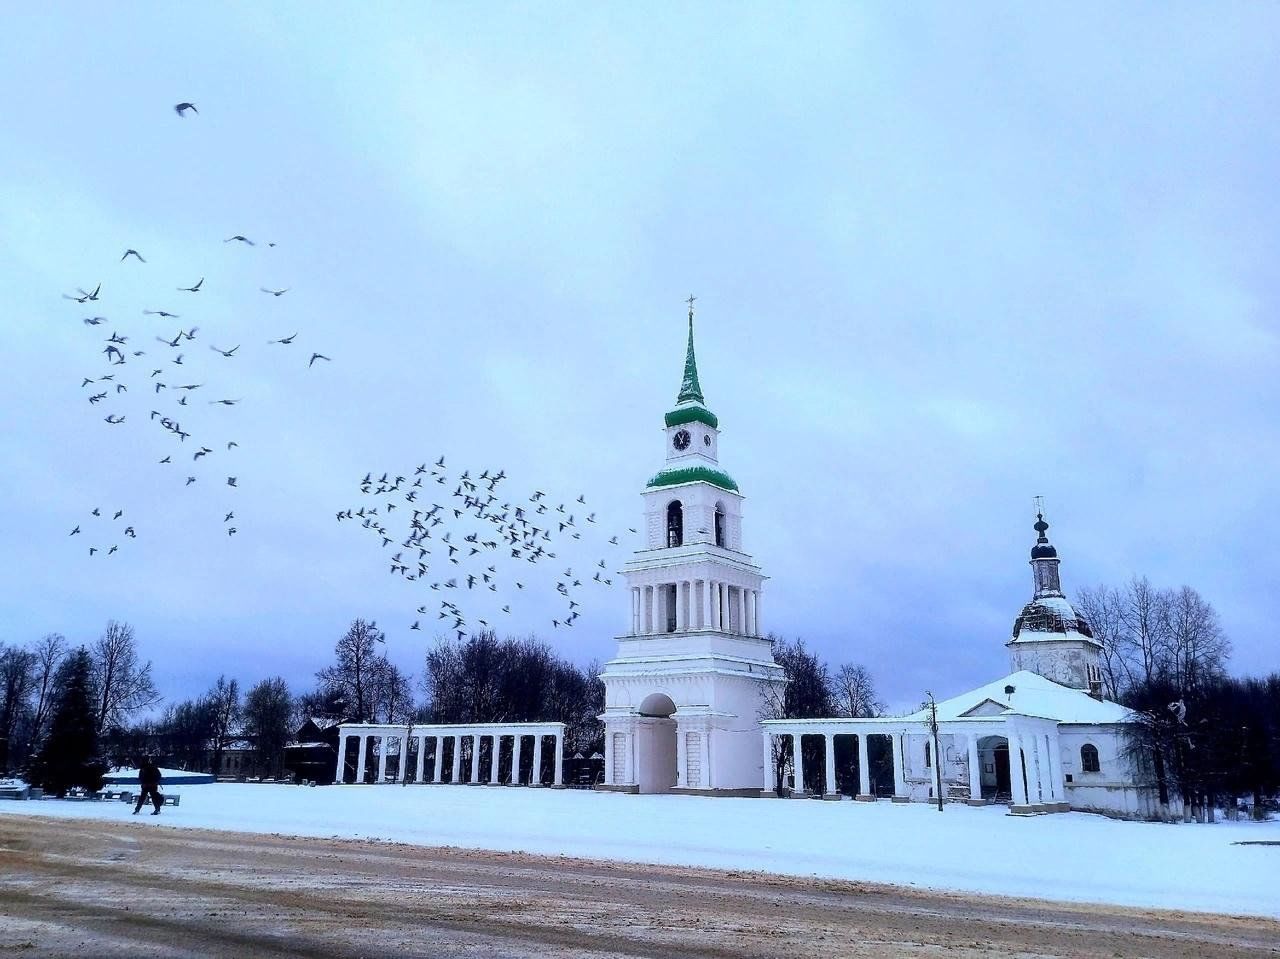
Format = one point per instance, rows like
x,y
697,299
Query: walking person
x,y
149,779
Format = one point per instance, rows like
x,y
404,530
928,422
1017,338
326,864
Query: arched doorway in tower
x,y
656,744
993,753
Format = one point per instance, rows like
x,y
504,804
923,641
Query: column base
x,y
1027,810
769,794
536,786
1063,806
831,797
799,794
977,802
718,791
901,799
557,786
631,788
863,797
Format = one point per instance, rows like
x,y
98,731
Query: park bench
x,y
15,792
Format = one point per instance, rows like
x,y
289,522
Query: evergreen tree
x,y
69,756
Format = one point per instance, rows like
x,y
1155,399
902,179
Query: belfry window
x,y
719,525
675,523
1089,759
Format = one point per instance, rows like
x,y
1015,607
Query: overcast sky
x,y
946,260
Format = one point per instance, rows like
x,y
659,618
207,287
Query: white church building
x,y
688,693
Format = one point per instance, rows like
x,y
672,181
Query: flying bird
x,y
74,531
274,292
316,356
129,253
94,320
171,316
181,108
113,419
231,481
286,340
223,402
227,353
167,459
192,289
239,238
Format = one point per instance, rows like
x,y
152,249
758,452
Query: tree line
x,y
1201,735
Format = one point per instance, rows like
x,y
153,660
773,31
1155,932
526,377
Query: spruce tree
x,y
69,756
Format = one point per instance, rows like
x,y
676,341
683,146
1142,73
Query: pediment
x,y
988,707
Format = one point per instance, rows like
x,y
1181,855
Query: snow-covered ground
x,y
1074,856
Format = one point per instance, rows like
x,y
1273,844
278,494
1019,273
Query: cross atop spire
x,y
690,389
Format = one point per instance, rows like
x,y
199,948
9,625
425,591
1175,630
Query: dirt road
x,y
92,889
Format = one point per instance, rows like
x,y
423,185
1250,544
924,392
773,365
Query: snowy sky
x,y
946,260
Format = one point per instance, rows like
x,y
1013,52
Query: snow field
x,y
1071,857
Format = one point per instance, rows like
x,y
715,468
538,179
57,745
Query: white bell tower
x,y
683,696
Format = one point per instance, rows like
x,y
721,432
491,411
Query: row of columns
x,y
699,604
1035,764
456,763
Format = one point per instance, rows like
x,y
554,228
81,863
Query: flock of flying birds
x,y
462,537
168,382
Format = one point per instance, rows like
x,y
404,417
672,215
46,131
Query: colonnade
x,y
1035,763
454,735
698,604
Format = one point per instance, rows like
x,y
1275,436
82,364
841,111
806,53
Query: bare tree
x,y
352,677
853,693
268,710
17,676
49,653
224,713
121,684
1197,647
1102,606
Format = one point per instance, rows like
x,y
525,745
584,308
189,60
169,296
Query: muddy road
x,y
83,888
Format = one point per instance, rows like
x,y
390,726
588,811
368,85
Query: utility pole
x,y
404,753
937,755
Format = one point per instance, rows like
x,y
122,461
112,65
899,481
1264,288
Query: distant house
x,y
313,754
239,758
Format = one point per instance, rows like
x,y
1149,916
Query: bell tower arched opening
x,y
719,524
656,744
675,523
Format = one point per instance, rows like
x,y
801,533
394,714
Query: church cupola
x,y
1050,636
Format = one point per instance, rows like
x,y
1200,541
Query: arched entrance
x,y
993,753
656,744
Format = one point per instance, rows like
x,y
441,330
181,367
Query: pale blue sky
x,y
946,259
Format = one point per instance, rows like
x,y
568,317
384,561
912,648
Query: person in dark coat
x,y
149,779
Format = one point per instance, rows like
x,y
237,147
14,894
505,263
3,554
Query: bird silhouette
x,y
75,531
231,481
181,108
314,357
167,315
194,288
129,253
94,320
286,340
228,353
239,238
274,292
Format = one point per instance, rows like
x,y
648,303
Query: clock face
x,y
681,440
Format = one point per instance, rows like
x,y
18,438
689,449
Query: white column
x,y
748,613
679,597
756,617
497,753
864,767
829,741
435,773
797,763
536,778
726,612
361,755
1054,751
705,600
608,756
515,759
713,603
340,774
975,768
767,756
704,744
455,765
1016,782
559,770
475,758
900,785
653,609
682,757
422,753
382,758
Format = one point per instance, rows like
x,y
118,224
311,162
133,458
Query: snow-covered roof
x,y
1032,695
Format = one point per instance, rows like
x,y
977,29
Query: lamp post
x,y
937,756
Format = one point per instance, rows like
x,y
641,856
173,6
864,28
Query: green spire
x,y
690,388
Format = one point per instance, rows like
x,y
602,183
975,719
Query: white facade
x,y
686,691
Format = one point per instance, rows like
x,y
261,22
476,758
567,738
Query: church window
x,y
1089,759
928,757
675,523
720,534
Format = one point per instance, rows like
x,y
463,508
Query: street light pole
x,y
937,755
